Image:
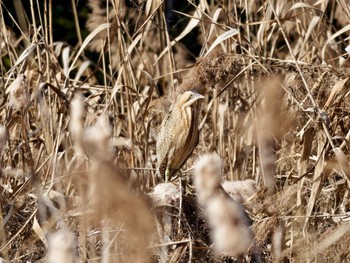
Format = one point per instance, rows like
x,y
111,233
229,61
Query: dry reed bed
x,y
79,146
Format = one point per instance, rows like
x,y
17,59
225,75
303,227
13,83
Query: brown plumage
x,y
178,135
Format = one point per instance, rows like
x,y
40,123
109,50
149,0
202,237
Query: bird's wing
x,y
164,139
184,144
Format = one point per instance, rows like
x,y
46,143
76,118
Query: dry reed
x,y
77,134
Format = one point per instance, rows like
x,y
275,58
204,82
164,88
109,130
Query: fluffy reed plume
x,y
270,124
229,226
96,140
112,12
113,203
165,194
278,243
61,247
135,64
211,71
240,191
76,123
165,197
19,93
227,219
99,15
207,177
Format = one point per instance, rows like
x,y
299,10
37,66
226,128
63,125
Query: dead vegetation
x,y
78,136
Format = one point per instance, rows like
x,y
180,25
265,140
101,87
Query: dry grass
x,y
78,150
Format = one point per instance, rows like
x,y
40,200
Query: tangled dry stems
x,y
276,112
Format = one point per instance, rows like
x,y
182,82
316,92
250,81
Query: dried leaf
x,y
65,61
87,41
231,33
335,90
39,232
332,37
195,18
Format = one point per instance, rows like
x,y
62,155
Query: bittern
x,y
178,135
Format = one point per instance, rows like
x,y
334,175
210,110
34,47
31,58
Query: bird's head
x,y
189,97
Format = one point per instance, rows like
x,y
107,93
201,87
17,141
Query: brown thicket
x,y
78,137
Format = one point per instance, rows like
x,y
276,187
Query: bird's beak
x,y
197,96
193,98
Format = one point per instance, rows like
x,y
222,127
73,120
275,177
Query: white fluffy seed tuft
x,y
228,221
19,94
61,247
207,177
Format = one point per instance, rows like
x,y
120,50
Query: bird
x,y
178,135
